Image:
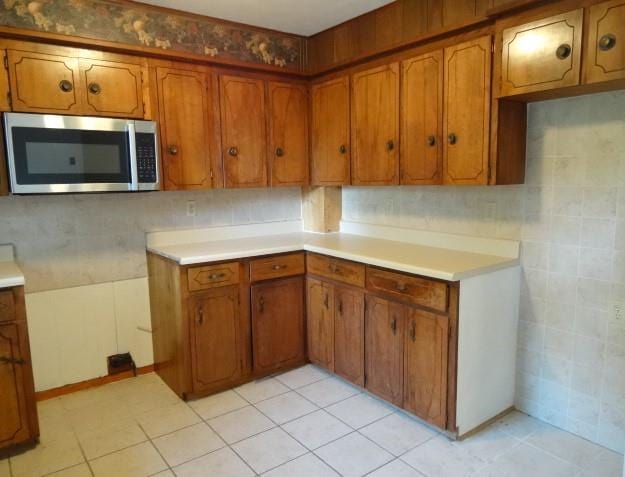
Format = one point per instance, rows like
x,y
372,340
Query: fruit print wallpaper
x,y
142,25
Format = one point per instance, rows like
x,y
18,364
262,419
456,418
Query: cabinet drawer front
x,y
419,291
276,267
343,271
211,276
7,306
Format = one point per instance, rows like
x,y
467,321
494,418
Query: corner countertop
x,y
10,275
430,261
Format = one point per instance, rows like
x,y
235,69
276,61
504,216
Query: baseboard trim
x,y
89,383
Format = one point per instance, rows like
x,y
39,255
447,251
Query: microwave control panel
x,y
147,163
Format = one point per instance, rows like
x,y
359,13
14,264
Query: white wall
x,y
570,216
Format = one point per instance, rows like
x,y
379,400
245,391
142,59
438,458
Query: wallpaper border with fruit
x,y
143,25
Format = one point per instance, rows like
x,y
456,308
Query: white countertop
x,y
10,275
435,262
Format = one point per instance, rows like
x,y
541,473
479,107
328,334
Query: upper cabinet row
x,y
425,120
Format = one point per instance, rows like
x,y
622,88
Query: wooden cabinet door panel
x,y
466,125
320,320
288,134
44,83
243,130
425,378
184,108
542,55
375,126
112,89
421,153
384,348
330,133
278,324
605,52
349,335
13,407
216,344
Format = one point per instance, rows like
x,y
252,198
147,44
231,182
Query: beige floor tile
x,y
268,450
302,376
518,424
397,433
188,443
54,420
221,463
240,424
286,407
328,391
163,421
308,465
165,473
107,439
218,404
49,456
139,460
606,464
4,468
99,414
360,410
88,398
438,457
525,460
353,455
262,389
81,470
565,445
317,429
488,444
396,468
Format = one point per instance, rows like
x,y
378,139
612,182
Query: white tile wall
x,y
570,216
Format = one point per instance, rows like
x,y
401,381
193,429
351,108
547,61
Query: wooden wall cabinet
x,y
375,126
330,141
18,409
542,55
605,42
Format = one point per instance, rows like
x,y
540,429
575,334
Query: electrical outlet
x,y
190,208
618,312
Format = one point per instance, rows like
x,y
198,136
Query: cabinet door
x,y
542,55
13,394
288,134
384,348
349,335
112,89
185,122
425,378
375,126
278,324
216,344
466,124
320,320
605,52
330,133
44,83
243,131
421,155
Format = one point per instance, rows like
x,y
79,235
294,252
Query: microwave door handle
x,y
132,144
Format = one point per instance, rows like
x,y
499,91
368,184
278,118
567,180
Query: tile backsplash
x,y
71,240
570,217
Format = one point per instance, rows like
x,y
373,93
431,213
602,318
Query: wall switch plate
x,y
618,312
190,208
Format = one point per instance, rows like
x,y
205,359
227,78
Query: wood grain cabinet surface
x,y
320,323
330,157
605,42
542,55
349,334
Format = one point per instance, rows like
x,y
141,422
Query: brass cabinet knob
x,y
278,267
94,88
233,151
66,86
607,42
279,152
431,141
343,149
452,139
390,145
564,51
172,149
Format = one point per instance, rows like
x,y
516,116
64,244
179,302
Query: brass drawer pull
x,y
607,42
200,315
431,141
394,325
279,152
7,360
333,268
402,287
261,304
390,145
340,307
452,139
172,149
413,331
326,301
278,267
564,51
216,276
343,149
233,151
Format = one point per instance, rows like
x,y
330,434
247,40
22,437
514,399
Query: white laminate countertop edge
x,y
10,275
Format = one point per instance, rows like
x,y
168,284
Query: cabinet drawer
x,y
420,291
211,276
276,267
7,306
344,271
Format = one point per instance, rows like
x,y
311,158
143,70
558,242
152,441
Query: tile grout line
x,y
155,448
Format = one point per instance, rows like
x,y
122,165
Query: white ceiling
x,y
304,17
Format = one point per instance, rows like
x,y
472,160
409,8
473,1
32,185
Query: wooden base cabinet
x,y
320,323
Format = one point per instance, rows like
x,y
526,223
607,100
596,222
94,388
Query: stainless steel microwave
x,y
50,154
